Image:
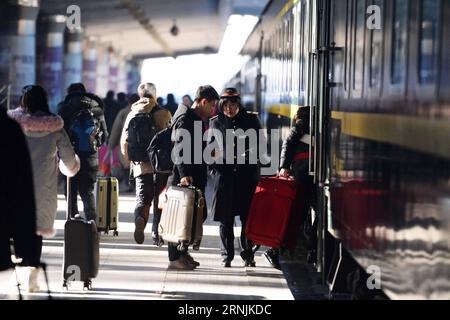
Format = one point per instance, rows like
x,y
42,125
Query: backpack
x,y
84,132
141,131
160,151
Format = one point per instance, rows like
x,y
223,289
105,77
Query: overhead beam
x,y
139,15
205,50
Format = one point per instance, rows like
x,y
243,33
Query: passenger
x,y
17,200
122,102
160,101
295,162
190,173
116,132
46,140
77,102
171,105
143,171
235,183
187,101
111,109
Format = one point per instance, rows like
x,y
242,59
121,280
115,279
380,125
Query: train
x,y
376,75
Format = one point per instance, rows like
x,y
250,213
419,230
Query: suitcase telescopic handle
x,y
285,178
69,199
189,186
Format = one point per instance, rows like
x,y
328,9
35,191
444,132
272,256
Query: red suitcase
x,y
275,214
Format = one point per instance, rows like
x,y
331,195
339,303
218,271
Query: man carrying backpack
x,y
143,122
85,124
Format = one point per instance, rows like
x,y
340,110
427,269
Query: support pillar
x,y
18,46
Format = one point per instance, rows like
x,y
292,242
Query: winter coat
x,y
185,118
161,119
116,132
17,205
293,146
234,184
47,140
72,104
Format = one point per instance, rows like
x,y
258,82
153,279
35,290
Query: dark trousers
x,y
227,239
160,181
144,196
83,183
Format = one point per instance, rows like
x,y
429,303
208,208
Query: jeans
x,y
83,183
144,196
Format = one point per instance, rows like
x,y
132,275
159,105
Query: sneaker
x,y
33,280
273,258
157,240
191,260
180,264
139,230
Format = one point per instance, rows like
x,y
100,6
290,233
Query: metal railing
x,y
5,96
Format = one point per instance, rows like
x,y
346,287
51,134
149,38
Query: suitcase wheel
x,y
87,285
183,246
116,233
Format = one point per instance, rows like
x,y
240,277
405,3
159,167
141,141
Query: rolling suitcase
x,y
81,248
182,216
107,198
275,213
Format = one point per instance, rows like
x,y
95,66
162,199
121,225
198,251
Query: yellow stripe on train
x,y
285,110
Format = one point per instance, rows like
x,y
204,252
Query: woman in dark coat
x,y
295,162
235,183
17,201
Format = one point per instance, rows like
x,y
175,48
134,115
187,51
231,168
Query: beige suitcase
x,y
107,197
182,216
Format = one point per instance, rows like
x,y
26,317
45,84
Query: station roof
x,y
142,28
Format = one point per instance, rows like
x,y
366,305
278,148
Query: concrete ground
x,y
132,271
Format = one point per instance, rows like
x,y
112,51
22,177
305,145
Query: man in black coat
x,y
190,171
17,204
84,182
235,181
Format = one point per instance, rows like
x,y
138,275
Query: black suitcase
x,y
81,248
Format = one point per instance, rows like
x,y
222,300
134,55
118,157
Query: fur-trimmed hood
x,y
37,124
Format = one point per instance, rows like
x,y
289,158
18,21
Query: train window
x,y
428,41
303,50
360,26
399,41
376,37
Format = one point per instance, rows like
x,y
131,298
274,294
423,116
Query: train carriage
x,y
376,76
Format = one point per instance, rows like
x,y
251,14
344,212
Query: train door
x,y
322,50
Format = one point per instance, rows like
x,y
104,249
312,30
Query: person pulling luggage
x,y
235,183
189,172
294,161
84,121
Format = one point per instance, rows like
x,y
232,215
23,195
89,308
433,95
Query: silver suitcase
x,y
182,216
